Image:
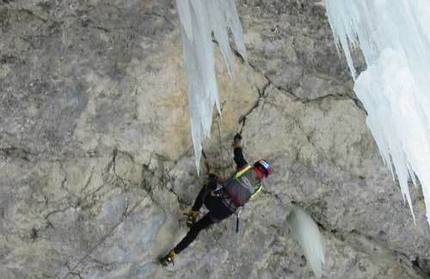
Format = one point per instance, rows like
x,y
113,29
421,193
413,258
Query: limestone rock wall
x,y
96,156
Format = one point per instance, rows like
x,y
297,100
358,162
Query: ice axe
x,y
242,120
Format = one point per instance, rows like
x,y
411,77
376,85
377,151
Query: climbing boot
x,y
191,217
168,259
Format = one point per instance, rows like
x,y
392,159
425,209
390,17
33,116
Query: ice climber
x,y
222,198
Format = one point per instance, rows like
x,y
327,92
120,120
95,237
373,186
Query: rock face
x,y
96,159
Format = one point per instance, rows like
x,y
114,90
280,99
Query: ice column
x,y
394,37
304,229
199,20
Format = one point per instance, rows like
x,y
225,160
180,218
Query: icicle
x,y
199,18
305,231
394,37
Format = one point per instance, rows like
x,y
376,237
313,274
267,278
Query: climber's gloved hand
x,y
237,137
237,141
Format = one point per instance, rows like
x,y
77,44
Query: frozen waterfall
x,y
394,37
199,20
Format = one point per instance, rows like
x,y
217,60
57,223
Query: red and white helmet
x,y
265,166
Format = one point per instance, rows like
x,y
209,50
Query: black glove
x,y
237,137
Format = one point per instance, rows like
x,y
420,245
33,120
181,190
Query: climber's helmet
x,y
265,166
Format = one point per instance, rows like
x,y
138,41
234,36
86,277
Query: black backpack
x,y
241,187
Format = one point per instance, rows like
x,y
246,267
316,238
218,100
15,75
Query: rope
x,y
125,214
220,145
208,170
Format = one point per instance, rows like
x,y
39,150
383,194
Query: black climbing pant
x,y
217,212
203,223
209,186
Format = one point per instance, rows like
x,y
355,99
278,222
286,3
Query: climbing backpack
x,y
241,187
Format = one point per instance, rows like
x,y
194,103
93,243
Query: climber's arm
x,y
239,159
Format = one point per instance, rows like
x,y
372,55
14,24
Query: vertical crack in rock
x,y
148,177
152,179
260,99
112,167
88,181
64,180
